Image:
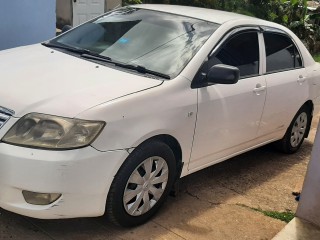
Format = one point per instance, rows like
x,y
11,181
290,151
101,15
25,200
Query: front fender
x,y
167,109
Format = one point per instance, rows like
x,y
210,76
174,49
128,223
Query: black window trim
x,y
235,34
244,28
223,40
267,29
232,33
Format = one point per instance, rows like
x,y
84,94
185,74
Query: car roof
x,y
210,15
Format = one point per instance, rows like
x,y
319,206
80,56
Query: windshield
x,y
158,41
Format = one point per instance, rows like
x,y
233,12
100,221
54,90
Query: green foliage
x,y
292,14
301,22
131,2
283,216
317,57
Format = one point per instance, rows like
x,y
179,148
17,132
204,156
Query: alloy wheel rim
x,y
299,129
145,186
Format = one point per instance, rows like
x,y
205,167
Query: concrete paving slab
x,y
101,229
203,220
13,226
298,229
79,229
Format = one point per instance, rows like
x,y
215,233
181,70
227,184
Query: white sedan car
x,y
107,116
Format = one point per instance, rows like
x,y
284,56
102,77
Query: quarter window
x,y
241,51
281,53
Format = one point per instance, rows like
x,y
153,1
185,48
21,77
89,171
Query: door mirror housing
x,y
217,74
223,74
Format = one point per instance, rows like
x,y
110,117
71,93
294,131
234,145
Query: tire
x,y
141,185
296,132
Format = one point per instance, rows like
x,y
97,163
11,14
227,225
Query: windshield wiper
x,y
142,69
66,47
138,68
96,56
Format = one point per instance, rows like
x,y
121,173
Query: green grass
x,y
317,57
283,216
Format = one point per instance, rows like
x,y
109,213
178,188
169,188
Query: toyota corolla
x,y
106,117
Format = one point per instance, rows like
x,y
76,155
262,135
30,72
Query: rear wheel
x,y
296,132
141,185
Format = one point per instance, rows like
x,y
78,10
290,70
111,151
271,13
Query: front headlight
x,y
51,132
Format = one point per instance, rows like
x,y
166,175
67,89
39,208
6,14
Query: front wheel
x,y
296,132
141,185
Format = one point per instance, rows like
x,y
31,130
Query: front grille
x,y
5,114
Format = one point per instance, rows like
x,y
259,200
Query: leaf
x,y
295,24
314,16
273,16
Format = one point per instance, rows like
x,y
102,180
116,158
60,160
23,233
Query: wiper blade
x,y
138,68
65,47
142,69
96,56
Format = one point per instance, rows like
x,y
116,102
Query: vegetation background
x,y
293,14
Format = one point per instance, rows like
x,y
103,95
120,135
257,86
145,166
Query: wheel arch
x,y
174,145
310,106
284,144
143,151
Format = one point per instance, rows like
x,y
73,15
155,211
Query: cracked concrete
x,y
210,204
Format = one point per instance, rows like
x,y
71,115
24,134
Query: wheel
x,y
141,184
296,132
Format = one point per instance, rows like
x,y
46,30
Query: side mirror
x,y
223,74
66,28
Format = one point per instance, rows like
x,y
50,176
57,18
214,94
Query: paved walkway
x,y
212,204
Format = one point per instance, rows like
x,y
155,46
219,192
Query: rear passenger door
x,y
287,85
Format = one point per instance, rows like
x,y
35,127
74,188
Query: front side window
x,y
281,53
241,51
158,41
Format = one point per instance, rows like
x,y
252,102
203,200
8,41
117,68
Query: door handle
x,y
259,88
301,79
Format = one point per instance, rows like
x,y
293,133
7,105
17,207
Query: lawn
x,y
317,57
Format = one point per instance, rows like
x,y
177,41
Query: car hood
x,y
38,79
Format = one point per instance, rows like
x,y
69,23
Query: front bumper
x,y
82,176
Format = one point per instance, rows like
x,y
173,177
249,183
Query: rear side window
x,y
241,51
281,53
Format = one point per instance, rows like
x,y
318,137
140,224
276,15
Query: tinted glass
x,y
281,53
241,51
158,41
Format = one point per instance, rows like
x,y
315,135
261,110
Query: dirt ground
x,y
212,204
